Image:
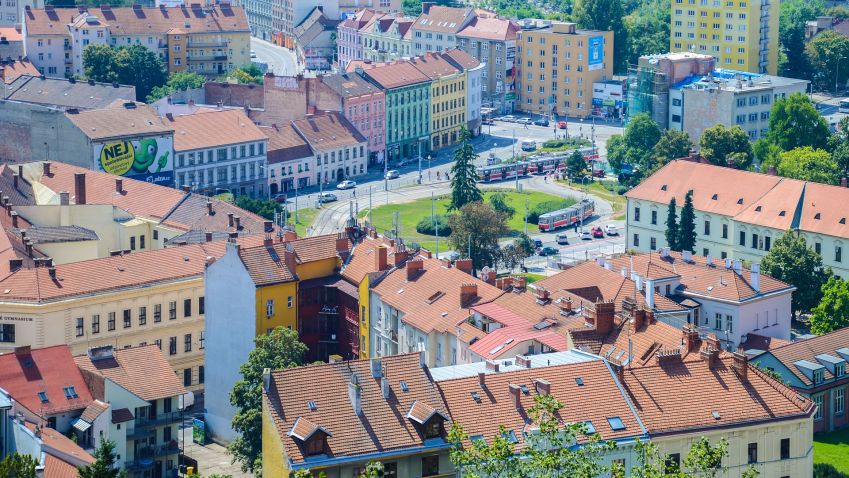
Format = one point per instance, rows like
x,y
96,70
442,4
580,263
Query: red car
x,y
561,125
599,173
488,121
597,232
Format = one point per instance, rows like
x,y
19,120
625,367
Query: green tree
x,y
636,145
16,465
278,350
477,226
498,201
832,311
99,63
248,74
464,175
576,165
672,230
719,142
809,164
794,122
838,144
605,15
178,81
705,459
792,261
525,244
262,207
826,55
838,11
791,35
672,145
104,464
136,65
617,152
648,29
687,227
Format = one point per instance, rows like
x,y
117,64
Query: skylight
x,y
475,438
404,386
510,435
590,428
615,423
579,381
715,197
476,396
312,406
524,389
70,392
740,201
715,415
43,397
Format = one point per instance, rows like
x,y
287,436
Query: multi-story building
x,y
492,40
289,160
740,223
739,34
387,38
260,13
364,105
407,93
816,368
340,150
11,42
11,11
209,40
437,27
11,70
728,97
134,387
349,45
219,150
61,94
350,7
447,98
557,66
475,80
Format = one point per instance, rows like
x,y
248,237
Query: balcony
x,y
208,44
146,457
159,420
140,433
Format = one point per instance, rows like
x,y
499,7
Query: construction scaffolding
x,y
648,92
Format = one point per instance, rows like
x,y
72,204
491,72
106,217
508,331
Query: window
x,y
157,313
637,214
172,346
133,243
110,321
785,448
654,217
430,465
80,326
753,453
838,253
636,240
707,228
187,343
754,241
818,248
840,369
615,423
433,428
141,242
653,243
673,463
187,379
818,375
742,238
95,324
187,307
718,323
128,318
838,401
201,305
158,343
290,302
201,373
818,402
729,323
172,310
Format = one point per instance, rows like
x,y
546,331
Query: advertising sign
x,y
198,431
148,159
595,55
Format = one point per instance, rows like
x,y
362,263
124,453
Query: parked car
x,y
586,236
508,119
281,198
611,230
537,244
393,174
561,124
599,173
327,197
562,239
407,161
253,54
524,121
541,122
548,251
488,121
347,184
597,232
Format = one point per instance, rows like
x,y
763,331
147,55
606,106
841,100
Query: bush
x,y
426,226
547,206
557,144
827,470
622,190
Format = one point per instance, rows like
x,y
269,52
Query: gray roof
x,y
11,49
50,234
64,93
349,84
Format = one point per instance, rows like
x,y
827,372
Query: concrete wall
x,y
35,133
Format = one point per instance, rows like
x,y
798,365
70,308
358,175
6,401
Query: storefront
x,y
609,99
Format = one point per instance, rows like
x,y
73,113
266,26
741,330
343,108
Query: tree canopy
x,y
464,175
719,144
672,145
104,464
791,35
794,122
828,56
672,229
128,65
809,164
636,145
178,81
792,261
16,465
477,226
832,311
686,240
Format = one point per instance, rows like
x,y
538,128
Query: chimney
x,y
355,395
268,241
289,236
468,292
52,272
565,306
46,168
380,257
728,263
267,226
687,256
384,387
15,180
464,265
376,368
341,242
738,265
15,219
119,185
639,282
79,187
691,339
522,361
771,171
426,7
492,366
740,365
414,267
543,386
266,379
604,313
422,359
186,188
515,395
64,198
24,350
543,295
28,246
755,281
650,294
209,207
289,257
482,379
209,236
238,222
489,277
844,183
399,257
712,342
638,320
520,283
229,219
710,356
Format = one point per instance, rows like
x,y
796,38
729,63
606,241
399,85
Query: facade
x,y
314,40
387,38
289,160
364,105
743,223
728,97
437,27
259,14
475,80
816,368
134,387
11,12
11,41
340,150
349,45
204,40
447,98
350,7
740,35
492,41
558,65
219,149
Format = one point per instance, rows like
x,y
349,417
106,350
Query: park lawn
x,y
529,275
413,212
566,145
616,201
833,448
306,216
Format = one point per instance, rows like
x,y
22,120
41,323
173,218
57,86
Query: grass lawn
x,y
530,275
616,201
413,212
833,448
564,144
306,215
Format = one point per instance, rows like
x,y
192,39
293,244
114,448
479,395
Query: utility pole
x,y
369,207
526,216
513,143
434,221
297,219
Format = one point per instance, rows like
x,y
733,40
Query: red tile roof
x,y
143,371
50,370
285,144
808,349
489,28
267,265
17,68
640,346
56,443
116,121
362,260
516,329
94,410
212,128
434,66
442,19
390,75
327,131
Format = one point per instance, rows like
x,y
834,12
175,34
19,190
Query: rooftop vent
x,y
740,201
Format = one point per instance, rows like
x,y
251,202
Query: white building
x,y
11,11
86,29
341,151
437,27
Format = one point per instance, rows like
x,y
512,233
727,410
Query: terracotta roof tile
x,y
212,128
94,410
55,467
285,144
391,75
434,66
14,69
349,85
442,19
461,58
499,29
328,131
122,415
644,342
362,260
267,265
117,120
143,371
50,370
808,350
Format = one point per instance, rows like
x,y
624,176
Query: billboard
x,y
146,159
595,55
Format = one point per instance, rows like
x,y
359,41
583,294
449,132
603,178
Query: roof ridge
x,y
783,389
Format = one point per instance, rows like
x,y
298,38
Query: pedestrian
x,y
545,178
437,175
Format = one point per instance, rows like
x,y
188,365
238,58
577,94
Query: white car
x,y
348,184
253,54
392,174
326,197
562,239
611,230
586,236
507,118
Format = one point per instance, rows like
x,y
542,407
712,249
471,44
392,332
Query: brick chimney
x,y
710,356
399,257
341,242
468,292
690,337
45,168
268,240
713,342
482,379
209,207
23,350
15,219
119,185
289,236
414,267
543,386
489,277
229,219
238,222
380,253
639,320
515,395
520,283
771,171
565,305
543,295
602,316
79,187
464,265
492,366
208,237
740,365
267,226
522,361
289,258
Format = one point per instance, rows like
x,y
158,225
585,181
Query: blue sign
x,y
595,54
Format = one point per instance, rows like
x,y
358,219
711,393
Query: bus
x,y
498,172
566,217
843,106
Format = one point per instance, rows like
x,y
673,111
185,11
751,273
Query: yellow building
x,y
740,34
447,99
557,65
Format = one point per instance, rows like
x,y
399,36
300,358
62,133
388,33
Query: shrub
x,y
622,190
556,144
426,226
547,206
827,470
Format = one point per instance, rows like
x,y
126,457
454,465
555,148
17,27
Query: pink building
x,y
349,46
363,104
290,160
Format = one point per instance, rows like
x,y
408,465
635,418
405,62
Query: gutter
x,y
325,462
744,423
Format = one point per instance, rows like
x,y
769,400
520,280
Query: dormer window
x,y
428,420
434,428
311,437
315,445
818,376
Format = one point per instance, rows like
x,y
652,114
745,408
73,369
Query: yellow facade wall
x,y
447,109
365,320
317,269
283,315
274,462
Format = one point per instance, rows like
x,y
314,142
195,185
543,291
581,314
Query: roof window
x,y
715,197
842,220
740,201
43,397
715,415
663,188
616,423
70,392
404,386
579,381
476,396
758,209
311,405
782,213
589,427
817,216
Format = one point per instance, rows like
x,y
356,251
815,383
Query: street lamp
x,y
837,72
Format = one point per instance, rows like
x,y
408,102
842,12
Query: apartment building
x,y
350,7
387,38
492,41
364,105
208,40
557,66
437,27
134,387
447,98
339,148
349,44
728,97
475,78
260,17
219,150
289,160
11,11
740,223
740,34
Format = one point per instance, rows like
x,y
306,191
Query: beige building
x,y
557,65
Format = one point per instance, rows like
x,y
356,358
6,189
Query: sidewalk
x,y
213,458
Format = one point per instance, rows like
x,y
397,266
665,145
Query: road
x,y
281,61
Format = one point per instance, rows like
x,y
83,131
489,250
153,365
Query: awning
x,y
82,425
